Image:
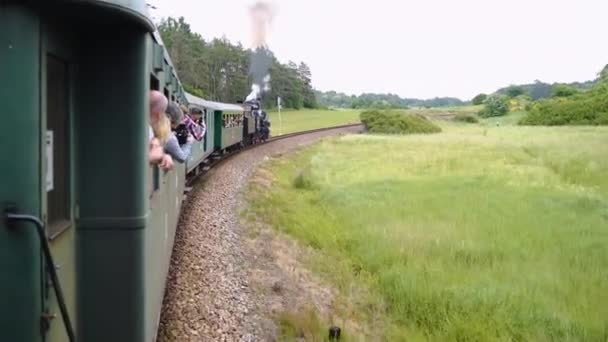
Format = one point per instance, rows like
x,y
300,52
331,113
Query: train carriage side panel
x,y
112,191
231,136
20,265
165,191
197,156
217,129
210,136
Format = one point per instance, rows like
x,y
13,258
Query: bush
x,y
514,91
563,90
477,100
466,118
588,108
495,106
397,122
303,180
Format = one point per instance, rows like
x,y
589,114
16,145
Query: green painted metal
x,y
111,294
20,268
201,150
60,41
231,136
123,233
217,128
165,205
209,146
112,192
135,10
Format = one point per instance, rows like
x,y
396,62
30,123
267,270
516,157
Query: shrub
x,y
477,100
466,118
495,106
303,180
563,90
514,91
397,122
588,108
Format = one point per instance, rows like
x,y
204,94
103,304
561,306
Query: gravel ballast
x,y
209,295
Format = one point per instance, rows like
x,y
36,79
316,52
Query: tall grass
x,y
307,119
477,234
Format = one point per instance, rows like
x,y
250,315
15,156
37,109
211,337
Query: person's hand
x,y
166,162
155,153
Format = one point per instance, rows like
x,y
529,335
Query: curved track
x,y
209,295
216,160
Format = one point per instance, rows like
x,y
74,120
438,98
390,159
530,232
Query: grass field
x,y
479,233
303,120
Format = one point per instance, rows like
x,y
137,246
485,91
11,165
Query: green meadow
x,y
478,233
307,119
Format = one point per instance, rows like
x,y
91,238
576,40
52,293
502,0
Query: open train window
x,y
154,83
58,185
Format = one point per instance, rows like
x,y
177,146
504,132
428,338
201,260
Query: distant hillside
x,y
537,90
541,90
341,100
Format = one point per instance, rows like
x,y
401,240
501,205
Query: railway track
x,y
210,294
215,160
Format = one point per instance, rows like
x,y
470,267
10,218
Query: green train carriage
x,y
74,154
203,149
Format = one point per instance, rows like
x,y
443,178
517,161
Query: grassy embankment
x,y
303,120
478,233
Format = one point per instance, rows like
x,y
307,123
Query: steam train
x,y
88,225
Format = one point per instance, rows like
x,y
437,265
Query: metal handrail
x,y
12,218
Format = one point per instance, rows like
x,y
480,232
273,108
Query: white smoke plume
x,y
262,14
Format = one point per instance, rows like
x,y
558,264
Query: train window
x,y
154,83
155,178
58,185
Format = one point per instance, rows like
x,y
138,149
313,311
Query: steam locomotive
x,y
254,107
88,225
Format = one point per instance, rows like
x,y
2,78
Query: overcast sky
x,y
420,48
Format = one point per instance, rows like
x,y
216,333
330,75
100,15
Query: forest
x,y
218,70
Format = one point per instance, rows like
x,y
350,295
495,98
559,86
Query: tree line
x,y
380,101
219,70
560,104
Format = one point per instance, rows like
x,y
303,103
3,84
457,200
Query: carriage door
x,y
58,185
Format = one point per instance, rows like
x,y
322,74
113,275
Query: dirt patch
x,y
262,178
283,285
281,282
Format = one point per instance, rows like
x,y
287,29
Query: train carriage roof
x,y
136,10
159,40
224,107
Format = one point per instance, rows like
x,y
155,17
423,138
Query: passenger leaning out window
x,y
179,144
159,131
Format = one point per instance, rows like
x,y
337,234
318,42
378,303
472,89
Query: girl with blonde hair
x,y
160,129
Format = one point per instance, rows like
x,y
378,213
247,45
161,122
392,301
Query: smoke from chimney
x,y
262,13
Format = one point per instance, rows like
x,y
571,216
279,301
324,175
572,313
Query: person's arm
x,y
155,152
166,163
178,153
